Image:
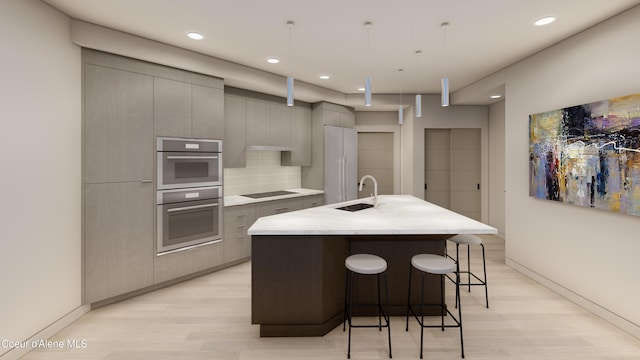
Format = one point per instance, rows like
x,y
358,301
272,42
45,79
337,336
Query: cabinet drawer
x,y
278,207
313,201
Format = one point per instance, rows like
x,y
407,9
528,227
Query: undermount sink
x,y
355,207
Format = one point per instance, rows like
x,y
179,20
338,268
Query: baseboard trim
x,y
46,333
598,310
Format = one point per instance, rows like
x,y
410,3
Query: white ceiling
x,y
329,36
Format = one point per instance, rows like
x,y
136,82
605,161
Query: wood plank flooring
x,y
209,318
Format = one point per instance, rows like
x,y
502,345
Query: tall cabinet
x,y
126,104
118,181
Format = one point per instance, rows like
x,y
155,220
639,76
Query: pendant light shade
x,y
290,78
290,91
367,91
418,105
418,112
400,115
445,91
367,79
445,80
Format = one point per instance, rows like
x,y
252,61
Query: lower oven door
x,y
189,223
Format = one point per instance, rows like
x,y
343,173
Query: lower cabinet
x,y
181,263
278,206
237,220
313,201
118,247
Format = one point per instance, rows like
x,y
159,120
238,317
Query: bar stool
x,y
365,264
438,265
468,239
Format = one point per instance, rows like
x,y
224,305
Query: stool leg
x,y
409,297
442,308
469,267
379,306
458,274
486,288
460,314
387,318
346,291
421,312
349,314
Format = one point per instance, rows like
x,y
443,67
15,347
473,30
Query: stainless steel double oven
x,y
189,196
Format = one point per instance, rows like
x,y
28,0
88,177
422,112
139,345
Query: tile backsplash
x,y
263,173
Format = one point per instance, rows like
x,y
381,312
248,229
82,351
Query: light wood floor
x,y
210,318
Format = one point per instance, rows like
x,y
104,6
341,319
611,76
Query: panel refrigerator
x,y
340,164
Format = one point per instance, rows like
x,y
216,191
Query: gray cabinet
x,y
313,201
207,112
278,206
118,188
235,132
186,262
118,232
118,125
187,110
258,123
301,140
237,220
280,125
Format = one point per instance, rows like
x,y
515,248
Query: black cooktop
x,y
269,194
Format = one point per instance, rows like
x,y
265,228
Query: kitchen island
x,y
298,273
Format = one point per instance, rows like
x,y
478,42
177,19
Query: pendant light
x,y
418,96
400,107
367,80
290,78
445,79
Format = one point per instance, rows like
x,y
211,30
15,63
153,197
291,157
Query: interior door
x,y
452,170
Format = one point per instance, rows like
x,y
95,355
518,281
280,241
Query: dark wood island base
x,y
298,281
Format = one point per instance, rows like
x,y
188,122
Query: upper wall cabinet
x,y
266,122
187,110
235,131
118,125
300,138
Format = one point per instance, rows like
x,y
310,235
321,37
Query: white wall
x,y
588,255
496,167
40,111
435,116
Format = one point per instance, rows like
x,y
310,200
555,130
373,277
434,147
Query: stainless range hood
x,y
269,148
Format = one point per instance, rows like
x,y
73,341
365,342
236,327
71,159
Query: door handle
x,y
191,207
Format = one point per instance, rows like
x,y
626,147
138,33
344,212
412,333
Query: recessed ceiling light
x,y
325,77
495,96
361,88
273,60
195,36
544,21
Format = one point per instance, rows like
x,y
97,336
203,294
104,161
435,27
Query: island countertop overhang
x,y
395,214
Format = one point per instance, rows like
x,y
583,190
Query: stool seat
x,y
366,264
433,264
466,239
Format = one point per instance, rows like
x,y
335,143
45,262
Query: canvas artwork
x,y
588,155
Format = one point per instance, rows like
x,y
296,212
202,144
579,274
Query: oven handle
x,y
177,157
191,207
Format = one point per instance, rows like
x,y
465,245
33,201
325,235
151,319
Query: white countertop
x,y
234,200
395,214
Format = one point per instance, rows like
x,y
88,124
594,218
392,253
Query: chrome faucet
x,y
375,188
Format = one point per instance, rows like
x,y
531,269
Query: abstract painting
x,y
588,155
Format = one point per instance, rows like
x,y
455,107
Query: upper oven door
x,y
189,169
